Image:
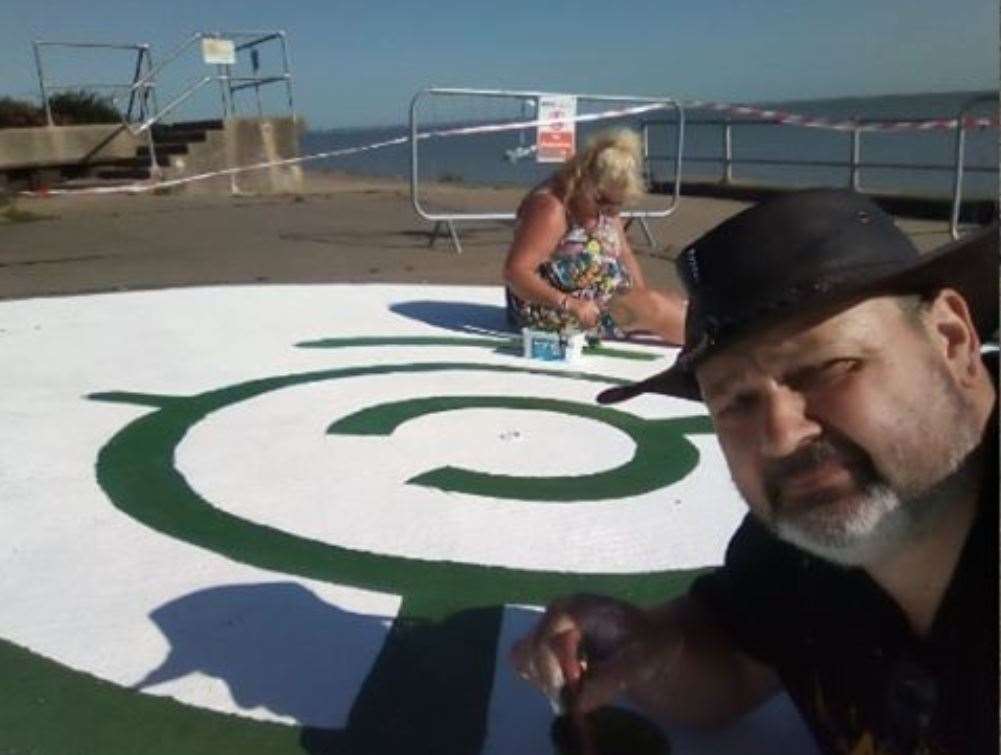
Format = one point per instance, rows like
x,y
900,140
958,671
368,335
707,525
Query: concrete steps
x,y
171,141
74,156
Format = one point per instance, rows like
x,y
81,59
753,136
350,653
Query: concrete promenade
x,y
340,229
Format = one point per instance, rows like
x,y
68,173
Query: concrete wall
x,y
242,142
48,146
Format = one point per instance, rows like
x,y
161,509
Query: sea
x,y
909,162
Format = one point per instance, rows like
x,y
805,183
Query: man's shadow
x,y
275,645
355,683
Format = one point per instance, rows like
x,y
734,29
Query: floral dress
x,y
586,264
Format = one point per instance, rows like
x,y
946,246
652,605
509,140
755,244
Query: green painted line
x,y
342,343
607,351
136,470
48,709
142,399
663,454
500,345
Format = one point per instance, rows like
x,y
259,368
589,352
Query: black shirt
x,y
865,683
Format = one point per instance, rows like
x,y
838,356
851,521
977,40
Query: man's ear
x,y
951,327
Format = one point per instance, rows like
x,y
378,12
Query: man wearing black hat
x,y
846,381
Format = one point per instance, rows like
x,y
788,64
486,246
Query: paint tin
x,y
550,346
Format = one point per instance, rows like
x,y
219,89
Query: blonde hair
x,y
610,163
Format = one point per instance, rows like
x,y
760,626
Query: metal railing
x,y
449,219
142,106
142,110
143,67
229,84
853,161
957,184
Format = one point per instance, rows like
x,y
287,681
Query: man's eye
x,y
738,404
822,374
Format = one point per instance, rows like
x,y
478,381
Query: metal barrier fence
x,y
449,219
957,185
853,161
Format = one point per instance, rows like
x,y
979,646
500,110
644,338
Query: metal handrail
x,y
150,77
184,96
145,86
257,37
855,164
750,120
450,218
825,163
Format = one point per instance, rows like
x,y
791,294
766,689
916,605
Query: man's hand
x,y
674,661
589,649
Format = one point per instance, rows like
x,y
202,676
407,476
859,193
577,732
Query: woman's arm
x,y
542,225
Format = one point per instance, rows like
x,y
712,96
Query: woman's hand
x,y
586,312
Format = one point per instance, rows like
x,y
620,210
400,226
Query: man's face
x,y
830,428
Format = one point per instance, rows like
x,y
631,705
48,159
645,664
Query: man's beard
x,y
879,521
878,515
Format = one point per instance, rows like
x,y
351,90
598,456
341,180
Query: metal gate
x,y
450,219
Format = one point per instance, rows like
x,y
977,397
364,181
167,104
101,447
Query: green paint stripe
x,y
136,470
500,345
663,455
606,351
48,709
342,343
142,399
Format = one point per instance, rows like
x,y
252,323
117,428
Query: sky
x,y
359,63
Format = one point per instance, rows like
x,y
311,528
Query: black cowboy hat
x,y
799,253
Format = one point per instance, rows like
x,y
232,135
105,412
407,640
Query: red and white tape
x,y
154,184
784,118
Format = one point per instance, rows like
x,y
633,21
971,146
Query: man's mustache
x,y
817,453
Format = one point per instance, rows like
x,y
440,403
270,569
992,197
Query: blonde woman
x,y
570,266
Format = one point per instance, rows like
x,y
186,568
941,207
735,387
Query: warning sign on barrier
x,y
556,138
217,51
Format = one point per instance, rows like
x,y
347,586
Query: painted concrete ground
x,y
312,519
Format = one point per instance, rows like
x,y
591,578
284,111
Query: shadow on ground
x,y
414,685
461,317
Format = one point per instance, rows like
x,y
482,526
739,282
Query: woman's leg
x,y
660,312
